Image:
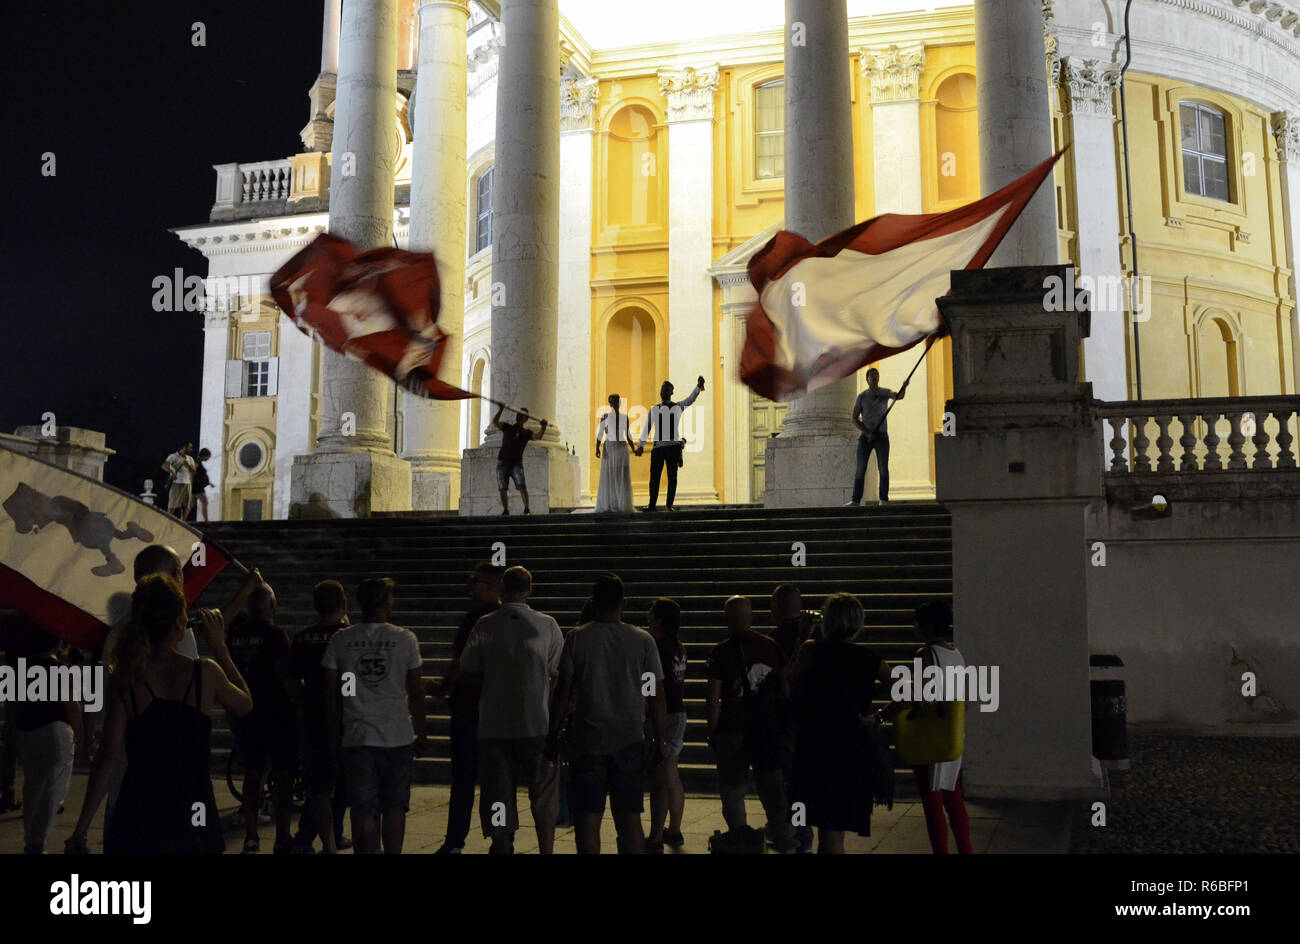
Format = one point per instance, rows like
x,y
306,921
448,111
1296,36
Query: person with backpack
x,y
747,684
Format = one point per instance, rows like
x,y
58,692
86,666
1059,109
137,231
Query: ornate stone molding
x,y
578,103
484,61
1284,15
690,92
1051,43
1286,131
1091,86
894,71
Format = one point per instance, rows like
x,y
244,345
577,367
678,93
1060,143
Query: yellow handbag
x,y
930,732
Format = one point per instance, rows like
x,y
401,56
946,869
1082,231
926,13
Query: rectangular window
x,y
483,209
257,344
257,378
769,130
1205,151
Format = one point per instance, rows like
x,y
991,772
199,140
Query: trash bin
x,y
1109,712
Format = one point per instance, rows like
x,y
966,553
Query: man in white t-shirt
x,y
516,652
180,466
372,675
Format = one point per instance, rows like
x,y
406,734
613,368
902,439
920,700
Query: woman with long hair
x,y
832,682
160,713
667,796
614,492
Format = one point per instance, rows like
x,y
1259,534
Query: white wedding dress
x,y
614,493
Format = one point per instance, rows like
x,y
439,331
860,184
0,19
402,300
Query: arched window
x,y
956,136
769,130
476,405
1205,150
483,211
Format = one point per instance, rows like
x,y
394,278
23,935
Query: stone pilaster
x,y
574,403
811,463
212,412
690,93
894,75
354,470
431,428
1019,477
1088,94
1286,132
525,261
1015,131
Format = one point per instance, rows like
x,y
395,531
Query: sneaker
x,y
848,504
448,849
673,840
527,512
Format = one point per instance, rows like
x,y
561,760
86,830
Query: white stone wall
x,y
292,409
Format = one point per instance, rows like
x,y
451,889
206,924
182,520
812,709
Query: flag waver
x,y
379,307
826,310
67,545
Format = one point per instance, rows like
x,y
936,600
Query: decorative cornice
x,y
1282,14
689,91
578,103
1286,131
1090,86
894,71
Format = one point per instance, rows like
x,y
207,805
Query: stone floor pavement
x,y
995,827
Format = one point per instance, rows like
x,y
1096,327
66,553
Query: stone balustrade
x,y
245,190
1205,447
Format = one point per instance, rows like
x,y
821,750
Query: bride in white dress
x,y
614,493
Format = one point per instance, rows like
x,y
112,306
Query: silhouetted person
x,y
746,686
199,497
515,651
606,669
462,694
510,457
667,796
869,411
666,421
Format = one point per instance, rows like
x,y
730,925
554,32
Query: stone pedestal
x,y
70,447
811,463
551,474
1019,478
349,484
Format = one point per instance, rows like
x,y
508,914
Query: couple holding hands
x,y
614,493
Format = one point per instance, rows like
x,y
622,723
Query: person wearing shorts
x,y
382,715
180,467
604,668
515,437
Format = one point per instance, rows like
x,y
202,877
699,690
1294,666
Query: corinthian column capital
x,y
578,103
1286,131
689,91
894,71
1091,86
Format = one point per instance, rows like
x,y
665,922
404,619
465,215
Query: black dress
x,y
167,773
832,774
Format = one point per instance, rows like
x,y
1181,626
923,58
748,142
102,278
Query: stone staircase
x,y
892,557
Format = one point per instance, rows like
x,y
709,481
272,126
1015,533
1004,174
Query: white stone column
x,y
212,414
690,94
525,260
354,470
893,74
329,42
1090,88
1286,131
738,298
574,408
1015,128
811,463
292,409
438,183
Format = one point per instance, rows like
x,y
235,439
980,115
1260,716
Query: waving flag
x,y
826,310
379,307
67,545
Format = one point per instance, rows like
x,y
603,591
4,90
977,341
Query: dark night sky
x,y
136,115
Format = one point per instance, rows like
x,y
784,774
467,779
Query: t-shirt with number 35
x,y
378,655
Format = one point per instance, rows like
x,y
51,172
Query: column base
x,y
812,470
435,483
550,473
348,485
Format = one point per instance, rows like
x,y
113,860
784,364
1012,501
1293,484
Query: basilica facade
x,y
671,156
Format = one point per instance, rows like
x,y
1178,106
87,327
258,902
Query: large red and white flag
x,y
67,545
379,307
856,297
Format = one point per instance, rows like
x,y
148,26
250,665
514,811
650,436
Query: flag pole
x,y
872,434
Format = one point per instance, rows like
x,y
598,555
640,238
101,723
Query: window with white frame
x,y
483,211
256,373
1205,151
769,130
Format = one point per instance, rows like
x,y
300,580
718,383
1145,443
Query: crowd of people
x,y
582,719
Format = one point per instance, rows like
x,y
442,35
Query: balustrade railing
x,y
1258,432
266,181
